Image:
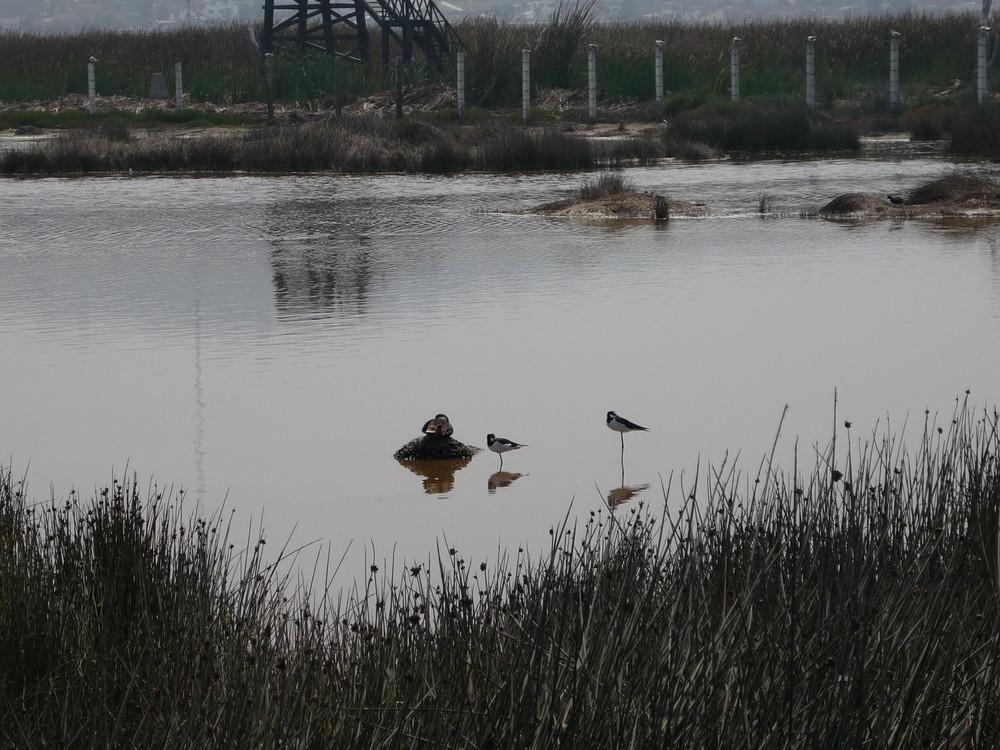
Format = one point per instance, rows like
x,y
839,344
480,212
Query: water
x,y
266,343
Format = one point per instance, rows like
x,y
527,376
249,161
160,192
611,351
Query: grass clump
x,y
763,126
975,131
605,185
958,186
856,606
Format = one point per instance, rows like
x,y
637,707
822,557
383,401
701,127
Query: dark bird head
x,y
440,426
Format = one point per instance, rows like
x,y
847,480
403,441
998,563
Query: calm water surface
x,y
268,343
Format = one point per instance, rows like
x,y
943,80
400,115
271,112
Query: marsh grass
x,y
149,117
605,184
768,125
958,186
353,145
221,64
853,605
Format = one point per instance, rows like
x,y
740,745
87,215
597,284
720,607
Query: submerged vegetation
x,y
857,606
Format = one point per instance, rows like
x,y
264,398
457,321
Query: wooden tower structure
x,y
340,27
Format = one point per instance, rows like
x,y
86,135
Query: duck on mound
x,y
435,444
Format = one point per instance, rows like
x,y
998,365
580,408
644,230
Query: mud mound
x,y
868,204
628,205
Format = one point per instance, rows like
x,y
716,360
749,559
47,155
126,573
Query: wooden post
x,y
734,69
658,58
592,82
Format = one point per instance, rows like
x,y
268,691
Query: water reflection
x,y
438,476
501,479
321,276
623,494
321,258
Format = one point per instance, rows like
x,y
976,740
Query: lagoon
x,y
266,343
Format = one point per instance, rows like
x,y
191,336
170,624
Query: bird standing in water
x,y
621,426
501,445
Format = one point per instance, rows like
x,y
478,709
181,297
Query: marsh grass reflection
x,y
438,476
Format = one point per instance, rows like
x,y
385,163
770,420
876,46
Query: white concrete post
x,y
91,87
894,69
658,57
269,83
460,83
984,49
811,71
734,69
592,82
526,85
178,87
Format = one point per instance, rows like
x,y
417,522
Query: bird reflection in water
x,y
439,475
621,495
501,479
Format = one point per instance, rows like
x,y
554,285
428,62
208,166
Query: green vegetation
x,y
221,64
858,606
762,125
222,71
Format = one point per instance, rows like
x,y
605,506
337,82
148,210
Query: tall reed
x,y
355,145
222,65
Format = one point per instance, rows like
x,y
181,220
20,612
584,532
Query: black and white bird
x,y
438,427
501,445
621,426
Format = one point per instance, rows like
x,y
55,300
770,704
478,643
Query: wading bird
x,y
501,445
621,426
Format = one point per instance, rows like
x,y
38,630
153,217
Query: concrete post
x,y
269,83
984,50
658,57
399,87
894,69
526,85
460,83
734,69
91,87
178,87
592,82
338,84
811,71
